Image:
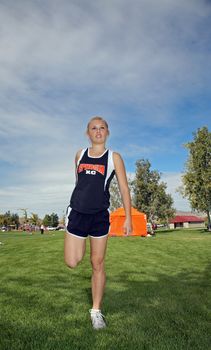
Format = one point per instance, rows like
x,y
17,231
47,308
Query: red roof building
x,y
187,221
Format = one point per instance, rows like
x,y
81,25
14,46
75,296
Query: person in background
x,y
42,229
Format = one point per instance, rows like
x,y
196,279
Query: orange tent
x,y
117,219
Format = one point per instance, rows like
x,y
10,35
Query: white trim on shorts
x,y
99,236
69,233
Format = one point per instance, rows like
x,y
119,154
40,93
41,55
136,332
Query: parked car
x,y
60,228
50,228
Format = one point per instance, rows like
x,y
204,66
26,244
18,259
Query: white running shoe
x,y
97,319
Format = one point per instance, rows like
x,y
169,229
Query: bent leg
x,y
74,250
98,250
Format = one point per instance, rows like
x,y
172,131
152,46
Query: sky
x,y
144,65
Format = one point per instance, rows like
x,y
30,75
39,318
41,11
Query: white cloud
x,y
44,192
70,46
62,62
174,182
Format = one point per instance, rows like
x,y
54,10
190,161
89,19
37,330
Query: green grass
x,y
158,294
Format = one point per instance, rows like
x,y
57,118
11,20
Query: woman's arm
x,y
124,190
77,156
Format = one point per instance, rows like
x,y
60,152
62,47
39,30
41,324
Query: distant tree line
x,y
13,220
9,219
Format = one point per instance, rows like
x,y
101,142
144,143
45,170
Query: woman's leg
x,y
97,255
74,250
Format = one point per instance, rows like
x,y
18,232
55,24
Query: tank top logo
x,y
91,169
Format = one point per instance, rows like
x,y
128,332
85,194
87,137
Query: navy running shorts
x,y
84,225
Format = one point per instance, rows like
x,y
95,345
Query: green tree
x,y
5,219
54,220
197,177
1,219
47,220
34,219
51,220
15,219
150,194
9,219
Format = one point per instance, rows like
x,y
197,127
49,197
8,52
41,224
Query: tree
x,y
54,220
4,219
150,194
47,220
51,220
197,177
34,219
15,220
9,219
1,219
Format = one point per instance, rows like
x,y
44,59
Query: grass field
x,y
158,294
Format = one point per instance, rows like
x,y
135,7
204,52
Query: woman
x,y
87,214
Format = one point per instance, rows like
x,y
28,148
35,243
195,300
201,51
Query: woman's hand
x,y
127,227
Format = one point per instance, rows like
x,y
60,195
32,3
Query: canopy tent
x,y
117,219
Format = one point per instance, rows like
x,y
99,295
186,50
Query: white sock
x,y
95,310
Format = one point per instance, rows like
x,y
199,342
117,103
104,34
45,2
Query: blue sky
x,y
145,66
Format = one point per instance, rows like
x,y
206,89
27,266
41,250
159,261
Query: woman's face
x,y
97,131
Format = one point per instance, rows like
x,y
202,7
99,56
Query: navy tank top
x,y
94,174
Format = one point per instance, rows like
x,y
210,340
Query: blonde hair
x,y
97,118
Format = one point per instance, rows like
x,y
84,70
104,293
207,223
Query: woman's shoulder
x,y
116,155
116,158
79,153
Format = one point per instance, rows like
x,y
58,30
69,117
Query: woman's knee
x,y
71,263
74,250
97,263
